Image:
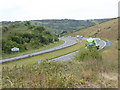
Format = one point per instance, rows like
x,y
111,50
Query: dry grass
x,y
107,30
70,74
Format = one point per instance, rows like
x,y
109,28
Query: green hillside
x,y
25,37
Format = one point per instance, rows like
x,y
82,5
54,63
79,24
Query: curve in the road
x,y
70,56
68,42
102,44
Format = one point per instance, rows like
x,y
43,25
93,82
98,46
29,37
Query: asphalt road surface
x,y
66,57
70,56
68,42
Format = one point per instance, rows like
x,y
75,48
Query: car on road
x,y
81,36
78,36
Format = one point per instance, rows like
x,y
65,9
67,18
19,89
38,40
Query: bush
x,y
36,38
4,29
56,38
7,45
39,29
35,43
16,39
86,54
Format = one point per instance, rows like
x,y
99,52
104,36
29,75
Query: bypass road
x,y
68,42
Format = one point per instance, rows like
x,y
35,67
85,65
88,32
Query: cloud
x,y
57,9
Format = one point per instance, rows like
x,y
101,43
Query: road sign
x,y
39,61
14,49
109,43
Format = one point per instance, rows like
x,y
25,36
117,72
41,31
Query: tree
x,y
27,23
35,43
4,29
16,39
39,29
7,45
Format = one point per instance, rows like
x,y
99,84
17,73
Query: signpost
x,y
15,49
39,61
109,44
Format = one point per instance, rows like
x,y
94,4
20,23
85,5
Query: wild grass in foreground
x,y
85,73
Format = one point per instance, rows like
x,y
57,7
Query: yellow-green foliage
x,y
51,74
44,75
85,54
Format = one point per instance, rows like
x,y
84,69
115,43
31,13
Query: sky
x,y
22,10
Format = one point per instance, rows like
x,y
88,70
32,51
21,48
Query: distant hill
x,y
107,30
68,25
61,25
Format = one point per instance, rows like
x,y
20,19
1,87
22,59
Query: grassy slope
x,y
107,31
21,28
18,29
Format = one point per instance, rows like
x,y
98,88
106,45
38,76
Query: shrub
x,y
56,39
16,39
108,27
35,43
4,29
39,29
88,54
36,38
7,45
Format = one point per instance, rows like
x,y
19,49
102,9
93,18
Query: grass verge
x,y
33,50
46,56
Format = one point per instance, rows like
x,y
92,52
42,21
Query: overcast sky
x,y
20,10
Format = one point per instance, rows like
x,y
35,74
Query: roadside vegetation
x,y
51,45
88,69
47,56
107,31
79,73
86,54
25,37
